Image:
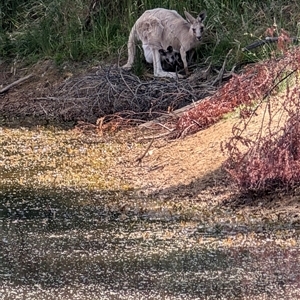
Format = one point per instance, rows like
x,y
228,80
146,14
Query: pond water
x,y
84,252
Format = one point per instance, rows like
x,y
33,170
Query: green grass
x,y
37,29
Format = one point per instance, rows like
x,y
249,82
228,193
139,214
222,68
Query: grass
x,y
73,30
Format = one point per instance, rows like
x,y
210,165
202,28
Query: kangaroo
x,y
170,60
160,28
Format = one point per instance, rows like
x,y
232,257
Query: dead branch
x,y
5,89
153,137
174,115
109,91
221,73
267,40
140,158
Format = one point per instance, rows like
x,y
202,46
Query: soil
x,y
184,168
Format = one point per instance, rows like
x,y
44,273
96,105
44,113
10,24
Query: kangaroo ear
x,y
189,17
202,16
170,49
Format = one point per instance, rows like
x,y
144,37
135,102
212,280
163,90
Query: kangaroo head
x,y
197,26
168,55
171,59
171,56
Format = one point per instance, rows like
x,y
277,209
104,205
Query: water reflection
x,y
84,252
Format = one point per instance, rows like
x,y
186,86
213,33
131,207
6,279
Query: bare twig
x,y
140,158
5,89
153,137
221,73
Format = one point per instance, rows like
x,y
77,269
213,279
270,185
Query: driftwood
x,y
267,40
5,89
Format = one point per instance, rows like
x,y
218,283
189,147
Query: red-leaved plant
x,y
271,158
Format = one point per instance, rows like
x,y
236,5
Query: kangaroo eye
x,y
194,30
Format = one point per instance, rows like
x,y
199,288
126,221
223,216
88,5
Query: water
x,y
85,252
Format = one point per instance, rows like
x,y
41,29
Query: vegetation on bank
x,y
87,29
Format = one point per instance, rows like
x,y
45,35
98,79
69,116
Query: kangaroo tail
x,y
131,48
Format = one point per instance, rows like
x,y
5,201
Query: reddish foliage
x,y
269,162
254,83
284,39
241,89
272,157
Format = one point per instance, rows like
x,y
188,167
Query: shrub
x,y
270,158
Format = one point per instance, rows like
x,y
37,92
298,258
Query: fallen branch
x,y
5,89
267,40
153,137
171,115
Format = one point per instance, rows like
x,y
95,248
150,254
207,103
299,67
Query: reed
x,y
89,29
